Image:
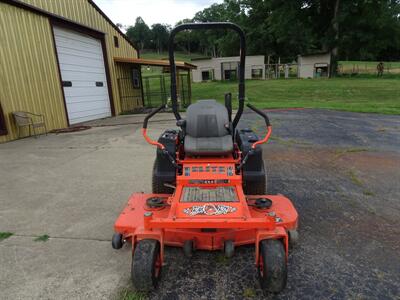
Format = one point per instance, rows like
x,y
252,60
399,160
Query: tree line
x,y
349,29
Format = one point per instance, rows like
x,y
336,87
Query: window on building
x,y
116,42
230,70
230,74
256,73
321,70
206,75
136,78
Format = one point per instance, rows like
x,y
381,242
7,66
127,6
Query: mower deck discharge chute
x,y
209,185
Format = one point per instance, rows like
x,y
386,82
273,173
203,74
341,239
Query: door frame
x,y
95,34
3,124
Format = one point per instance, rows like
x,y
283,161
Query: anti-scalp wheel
x,y
146,265
117,241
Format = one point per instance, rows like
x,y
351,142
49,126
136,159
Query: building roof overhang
x,y
154,62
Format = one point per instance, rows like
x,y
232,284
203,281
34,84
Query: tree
x,y
139,34
183,38
349,30
370,30
160,34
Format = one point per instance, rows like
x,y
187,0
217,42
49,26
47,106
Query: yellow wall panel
x,y
81,11
130,98
29,77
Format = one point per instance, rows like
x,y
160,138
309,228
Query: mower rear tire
x,y
272,269
146,265
158,185
117,241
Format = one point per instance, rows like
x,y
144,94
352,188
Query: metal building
x,y
314,65
57,59
227,68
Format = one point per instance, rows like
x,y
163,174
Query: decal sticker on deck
x,y
209,210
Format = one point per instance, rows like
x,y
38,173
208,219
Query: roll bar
x,y
210,25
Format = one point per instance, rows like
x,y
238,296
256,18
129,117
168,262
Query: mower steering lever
x,y
150,115
155,143
144,129
264,140
269,127
260,112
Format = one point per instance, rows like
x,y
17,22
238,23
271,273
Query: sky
x,y
152,11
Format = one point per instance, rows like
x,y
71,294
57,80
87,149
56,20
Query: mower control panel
x,y
211,169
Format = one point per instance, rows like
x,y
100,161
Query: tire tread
x,y
143,261
275,266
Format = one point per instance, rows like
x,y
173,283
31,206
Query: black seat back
x,y
207,118
207,129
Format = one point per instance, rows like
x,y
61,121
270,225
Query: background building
x,y
227,68
57,59
314,65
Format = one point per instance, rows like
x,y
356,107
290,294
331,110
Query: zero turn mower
x,y
209,190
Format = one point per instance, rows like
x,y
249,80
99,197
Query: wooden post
x,y
148,92
178,87
189,83
183,100
277,69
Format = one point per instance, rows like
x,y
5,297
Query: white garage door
x,y
83,75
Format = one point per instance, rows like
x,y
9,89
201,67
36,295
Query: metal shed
x,y
57,59
314,65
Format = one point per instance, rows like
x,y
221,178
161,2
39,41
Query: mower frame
x,y
217,224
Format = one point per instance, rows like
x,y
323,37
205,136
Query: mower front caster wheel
x,y
146,265
272,267
117,241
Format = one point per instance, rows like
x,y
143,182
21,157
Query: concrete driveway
x,y
342,171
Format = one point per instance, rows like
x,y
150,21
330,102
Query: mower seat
x,y
207,129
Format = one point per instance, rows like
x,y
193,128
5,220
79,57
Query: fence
x,y
276,71
156,90
355,68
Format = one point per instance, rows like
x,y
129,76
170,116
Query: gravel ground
x,y
342,172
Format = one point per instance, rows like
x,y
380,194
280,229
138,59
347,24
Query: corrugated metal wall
x,y
83,12
29,76
131,98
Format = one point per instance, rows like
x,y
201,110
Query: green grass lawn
x,y
394,64
365,93
368,67
181,56
349,94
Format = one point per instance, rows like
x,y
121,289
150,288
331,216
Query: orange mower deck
x,y
271,223
207,224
